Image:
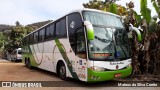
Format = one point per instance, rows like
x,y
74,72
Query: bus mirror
x,y
90,32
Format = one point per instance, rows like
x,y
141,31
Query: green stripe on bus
x,y
32,58
30,55
107,75
64,55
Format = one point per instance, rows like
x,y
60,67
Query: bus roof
x,y
87,9
74,11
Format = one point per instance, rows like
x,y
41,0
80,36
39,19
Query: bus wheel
x,y
62,71
28,64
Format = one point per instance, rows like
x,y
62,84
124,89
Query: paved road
x,y
16,71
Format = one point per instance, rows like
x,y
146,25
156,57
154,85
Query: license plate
x,y
117,75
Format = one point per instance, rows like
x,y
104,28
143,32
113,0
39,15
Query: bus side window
x,y
41,35
49,32
23,41
36,37
61,31
31,39
27,40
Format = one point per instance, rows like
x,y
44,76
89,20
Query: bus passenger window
x,y
41,35
36,37
49,32
31,40
61,28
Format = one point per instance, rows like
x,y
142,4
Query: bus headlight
x,y
95,68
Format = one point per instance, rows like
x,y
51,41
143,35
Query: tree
x,y
17,23
18,33
107,5
2,40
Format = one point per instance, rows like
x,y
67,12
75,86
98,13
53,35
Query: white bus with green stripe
x,y
86,44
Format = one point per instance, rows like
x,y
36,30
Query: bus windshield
x,y
102,19
111,41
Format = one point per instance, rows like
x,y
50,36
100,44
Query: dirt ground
x,y
16,71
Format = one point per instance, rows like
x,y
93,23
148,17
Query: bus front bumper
x,y
97,76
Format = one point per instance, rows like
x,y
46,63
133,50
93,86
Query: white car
x,y
16,55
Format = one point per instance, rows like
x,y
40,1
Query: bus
x,y
16,55
86,44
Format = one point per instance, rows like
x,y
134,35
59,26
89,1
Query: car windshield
x,y
19,52
111,41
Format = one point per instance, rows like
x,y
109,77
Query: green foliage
x,y
122,11
2,40
145,12
156,5
143,4
11,36
17,23
138,19
107,5
113,8
18,33
148,15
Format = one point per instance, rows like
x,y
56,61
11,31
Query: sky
x,y
31,11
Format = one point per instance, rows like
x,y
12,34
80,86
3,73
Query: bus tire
x,y
28,64
25,62
62,71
